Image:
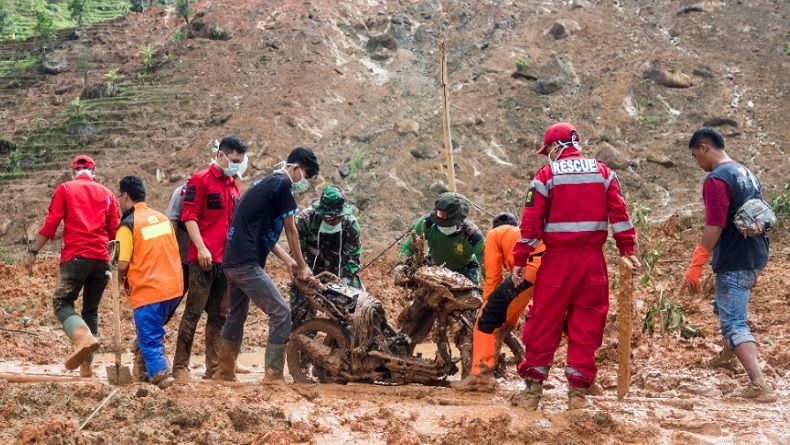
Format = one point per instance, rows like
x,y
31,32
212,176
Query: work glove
x,y
694,273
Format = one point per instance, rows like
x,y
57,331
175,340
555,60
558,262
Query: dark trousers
x,y
247,283
88,276
208,294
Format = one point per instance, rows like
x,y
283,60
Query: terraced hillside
x,y
358,82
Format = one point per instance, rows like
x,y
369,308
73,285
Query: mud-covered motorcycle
x,y
342,334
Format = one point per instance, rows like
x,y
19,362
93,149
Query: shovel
x,y
624,317
117,374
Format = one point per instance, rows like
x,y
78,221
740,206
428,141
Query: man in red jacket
x,y
210,197
89,212
569,207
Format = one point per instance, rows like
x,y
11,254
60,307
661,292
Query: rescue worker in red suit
x,y
569,207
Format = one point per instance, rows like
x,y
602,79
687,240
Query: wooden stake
x,y
624,316
448,141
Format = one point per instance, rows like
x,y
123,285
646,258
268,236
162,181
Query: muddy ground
x,y
357,81
675,397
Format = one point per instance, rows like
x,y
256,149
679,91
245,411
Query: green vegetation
x,y
21,20
781,202
639,214
184,10
6,20
76,112
148,57
111,79
179,36
522,64
355,164
45,26
77,9
652,122
787,49
13,67
669,317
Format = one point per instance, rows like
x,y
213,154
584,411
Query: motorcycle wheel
x,y
300,365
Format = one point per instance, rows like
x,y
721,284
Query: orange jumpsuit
x,y
502,303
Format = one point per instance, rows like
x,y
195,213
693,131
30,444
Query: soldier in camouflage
x,y
329,237
453,242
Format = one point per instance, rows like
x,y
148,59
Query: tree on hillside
x,y
77,9
45,27
137,5
184,11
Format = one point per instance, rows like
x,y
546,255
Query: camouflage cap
x,y
332,203
450,209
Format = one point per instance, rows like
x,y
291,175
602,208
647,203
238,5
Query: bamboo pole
x,y
624,317
448,140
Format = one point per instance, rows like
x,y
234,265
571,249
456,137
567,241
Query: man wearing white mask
x,y
210,198
329,237
453,242
265,210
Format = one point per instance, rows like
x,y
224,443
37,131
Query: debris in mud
x,y
563,28
52,431
54,63
663,75
381,47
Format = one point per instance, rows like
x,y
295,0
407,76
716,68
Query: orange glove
x,y
694,274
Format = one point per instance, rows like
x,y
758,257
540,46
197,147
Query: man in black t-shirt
x,y
265,210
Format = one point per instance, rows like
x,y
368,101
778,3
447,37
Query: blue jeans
x,y
150,320
247,283
732,305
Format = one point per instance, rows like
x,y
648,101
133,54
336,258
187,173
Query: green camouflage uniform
x,y
325,257
460,252
335,255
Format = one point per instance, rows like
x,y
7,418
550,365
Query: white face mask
x,y
296,187
448,230
326,228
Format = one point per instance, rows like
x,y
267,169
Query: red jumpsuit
x,y
569,206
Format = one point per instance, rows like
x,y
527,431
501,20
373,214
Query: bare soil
x,y
324,74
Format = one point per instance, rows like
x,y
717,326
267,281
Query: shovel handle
x,y
116,310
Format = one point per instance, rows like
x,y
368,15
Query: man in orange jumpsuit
x,y
569,207
503,302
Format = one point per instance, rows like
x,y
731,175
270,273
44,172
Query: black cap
x,y
504,218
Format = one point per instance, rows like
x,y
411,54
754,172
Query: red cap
x,y
562,132
83,161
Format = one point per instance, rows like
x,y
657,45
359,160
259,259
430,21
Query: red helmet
x,y
561,132
83,161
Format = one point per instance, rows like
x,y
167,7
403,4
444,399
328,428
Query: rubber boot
x,y
139,373
274,361
226,360
577,398
86,368
212,340
84,343
475,383
181,375
163,379
529,397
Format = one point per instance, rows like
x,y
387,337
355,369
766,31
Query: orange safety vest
x,y
155,272
498,254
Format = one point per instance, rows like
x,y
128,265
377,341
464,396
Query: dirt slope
x,y
358,82
321,74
